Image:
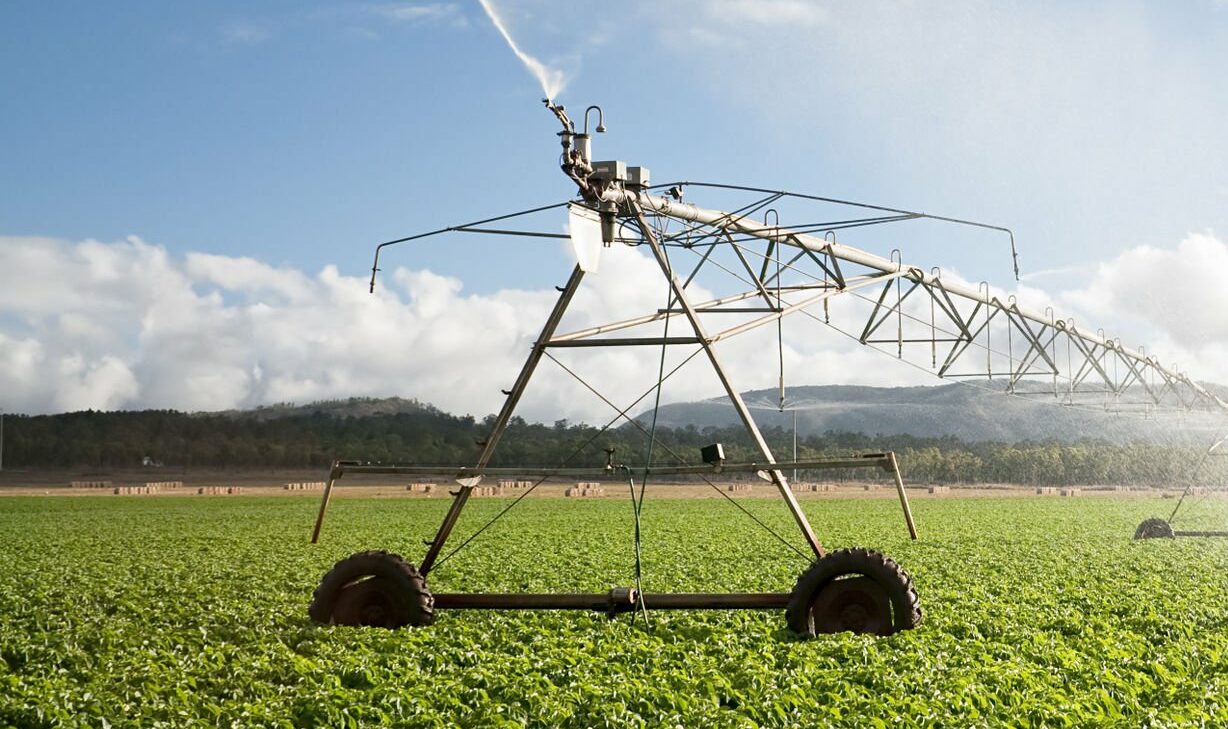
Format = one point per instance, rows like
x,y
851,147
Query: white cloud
x,y
1175,295
246,274
1081,268
792,13
1056,123
20,363
105,383
421,13
125,325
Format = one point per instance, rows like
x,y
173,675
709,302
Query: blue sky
x,y
300,134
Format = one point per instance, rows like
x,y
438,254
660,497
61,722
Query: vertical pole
x,y
735,397
899,319
795,444
899,487
505,416
333,475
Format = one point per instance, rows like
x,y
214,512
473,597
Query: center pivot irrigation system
x,y
746,270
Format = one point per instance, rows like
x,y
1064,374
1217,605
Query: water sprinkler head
x,y
560,113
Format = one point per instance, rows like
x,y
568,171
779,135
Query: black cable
x,y
656,405
579,449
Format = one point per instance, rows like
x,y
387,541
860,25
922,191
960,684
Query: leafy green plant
x,y
175,611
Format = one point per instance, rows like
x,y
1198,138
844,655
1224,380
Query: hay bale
x,y
809,487
936,489
585,489
1046,491
304,486
511,484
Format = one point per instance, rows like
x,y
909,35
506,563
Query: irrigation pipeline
x,y
715,228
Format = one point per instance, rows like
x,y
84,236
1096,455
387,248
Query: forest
x,y
313,437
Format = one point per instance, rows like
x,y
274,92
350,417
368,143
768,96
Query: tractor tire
x,y
855,590
373,589
1154,528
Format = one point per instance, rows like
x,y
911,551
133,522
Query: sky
x,y
190,193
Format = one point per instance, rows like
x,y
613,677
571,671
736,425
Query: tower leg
x,y
505,416
899,487
333,475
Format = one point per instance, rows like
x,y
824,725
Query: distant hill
x,y
971,414
943,433
354,407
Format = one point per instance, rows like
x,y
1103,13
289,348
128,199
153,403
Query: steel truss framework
x,y
766,272
948,327
951,328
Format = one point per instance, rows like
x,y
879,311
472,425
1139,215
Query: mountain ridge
x,y
969,413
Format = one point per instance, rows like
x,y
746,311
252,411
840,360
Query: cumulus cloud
x,y
1178,291
246,275
125,325
1172,298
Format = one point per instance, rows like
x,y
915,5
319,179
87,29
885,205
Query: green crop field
x,y
180,611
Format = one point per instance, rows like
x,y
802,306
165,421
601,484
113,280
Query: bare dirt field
x,y
265,482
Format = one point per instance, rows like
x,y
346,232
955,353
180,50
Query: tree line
x,y
307,438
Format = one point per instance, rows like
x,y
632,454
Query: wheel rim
x,y
855,603
368,602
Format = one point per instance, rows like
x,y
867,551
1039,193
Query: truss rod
x,y
379,248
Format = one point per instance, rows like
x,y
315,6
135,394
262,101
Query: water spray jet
x,y
552,81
